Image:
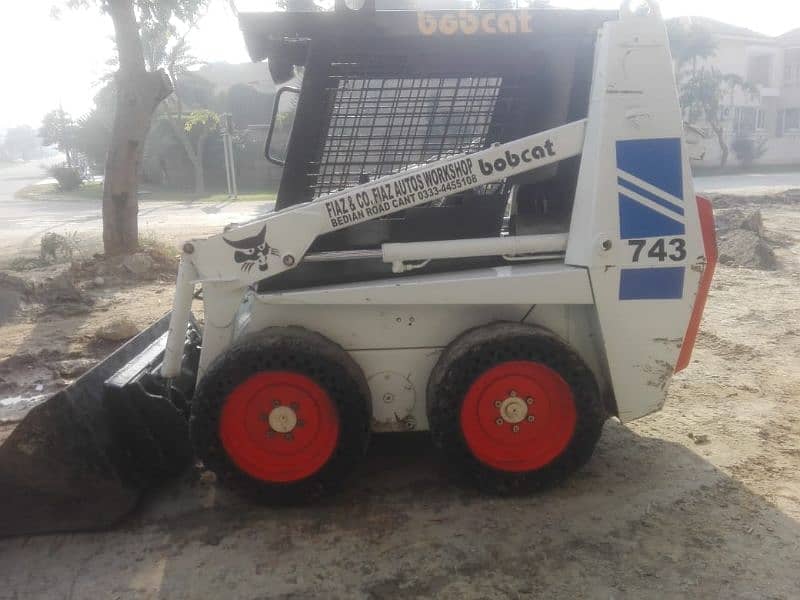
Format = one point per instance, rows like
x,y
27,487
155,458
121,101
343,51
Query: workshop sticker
x,y
400,193
435,182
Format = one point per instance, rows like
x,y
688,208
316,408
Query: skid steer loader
x,y
486,227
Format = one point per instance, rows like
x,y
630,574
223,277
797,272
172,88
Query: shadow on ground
x,y
646,518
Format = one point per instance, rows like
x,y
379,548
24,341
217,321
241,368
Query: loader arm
x,y
266,247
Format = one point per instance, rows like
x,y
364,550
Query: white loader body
x,y
486,228
619,287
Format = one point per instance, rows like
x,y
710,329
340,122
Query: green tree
x,y
93,130
196,126
139,91
58,129
92,136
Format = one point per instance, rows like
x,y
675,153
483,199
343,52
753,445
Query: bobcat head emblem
x,y
252,251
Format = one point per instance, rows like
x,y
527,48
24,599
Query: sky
x,y
47,62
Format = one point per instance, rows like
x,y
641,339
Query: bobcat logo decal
x,y
253,251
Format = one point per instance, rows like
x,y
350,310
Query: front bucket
x,y
82,459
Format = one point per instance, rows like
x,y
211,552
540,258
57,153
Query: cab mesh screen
x,y
378,126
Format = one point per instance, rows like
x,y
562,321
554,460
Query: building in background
x,y
771,116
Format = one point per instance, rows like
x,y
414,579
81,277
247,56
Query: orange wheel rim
x,y
518,416
279,426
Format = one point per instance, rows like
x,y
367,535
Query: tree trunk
x,y
199,173
199,177
139,92
723,147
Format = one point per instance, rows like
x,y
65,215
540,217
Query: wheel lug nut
x,y
497,404
529,400
512,393
515,429
275,403
530,419
499,421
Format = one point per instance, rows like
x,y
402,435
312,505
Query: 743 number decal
x,y
660,249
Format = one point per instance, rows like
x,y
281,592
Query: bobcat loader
x,y
486,228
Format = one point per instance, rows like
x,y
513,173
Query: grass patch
x,y
249,197
157,247
26,263
39,191
88,191
54,248
156,195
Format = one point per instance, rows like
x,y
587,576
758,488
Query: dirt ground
x,y
58,321
701,500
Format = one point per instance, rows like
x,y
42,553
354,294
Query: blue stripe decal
x,y
643,192
639,221
656,161
658,283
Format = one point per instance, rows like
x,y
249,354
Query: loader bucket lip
x,y
67,466
108,368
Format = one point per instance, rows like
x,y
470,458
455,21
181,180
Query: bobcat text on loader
x,y
484,231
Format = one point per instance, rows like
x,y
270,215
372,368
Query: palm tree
x,y
188,110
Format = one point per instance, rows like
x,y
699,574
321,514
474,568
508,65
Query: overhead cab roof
x,y
286,35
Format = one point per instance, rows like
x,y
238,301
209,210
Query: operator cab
x,y
361,100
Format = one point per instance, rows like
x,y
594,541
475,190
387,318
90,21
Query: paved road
x,y
749,183
23,221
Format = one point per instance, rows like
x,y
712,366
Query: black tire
x,y
295,350
475,352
